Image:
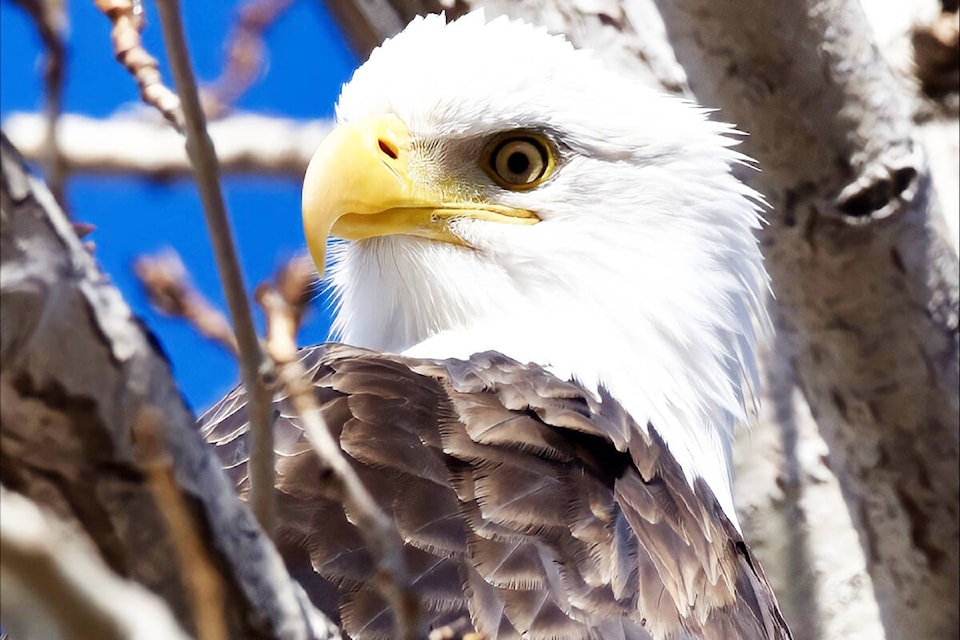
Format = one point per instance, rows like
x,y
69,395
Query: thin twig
x,y
126,18
245,52
201,580
295,281
378,532
167,283
254,368
51,21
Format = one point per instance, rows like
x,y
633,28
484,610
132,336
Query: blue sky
x,y
308,61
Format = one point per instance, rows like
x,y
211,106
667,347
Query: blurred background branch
x,y
255,366
127,20
50,18
139,145
246,54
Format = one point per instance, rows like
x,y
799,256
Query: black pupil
x,y
518,163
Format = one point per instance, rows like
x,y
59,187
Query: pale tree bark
x,y
865,277
89,413
793,513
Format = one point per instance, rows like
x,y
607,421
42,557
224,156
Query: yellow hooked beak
x,y
357,186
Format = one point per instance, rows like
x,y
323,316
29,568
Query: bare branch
x,y
253,365
245,143
296,281
200,578
793,514
126,16
375,527
245,47
168,286
864,273
56,586
51,20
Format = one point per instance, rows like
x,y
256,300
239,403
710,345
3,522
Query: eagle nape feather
x,y
550,287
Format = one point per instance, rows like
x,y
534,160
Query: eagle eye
x,y
519,160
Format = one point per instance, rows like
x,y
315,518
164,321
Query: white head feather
x,y
644,274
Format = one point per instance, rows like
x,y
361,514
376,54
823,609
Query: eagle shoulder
x,y
524,501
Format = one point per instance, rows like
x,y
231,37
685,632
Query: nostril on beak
x,y
388,148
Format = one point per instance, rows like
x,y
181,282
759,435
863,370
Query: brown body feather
x,y
523,501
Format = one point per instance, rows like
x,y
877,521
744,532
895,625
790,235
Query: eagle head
x,y
496,189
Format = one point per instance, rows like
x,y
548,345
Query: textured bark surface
x,y
792,510
864,274
81,384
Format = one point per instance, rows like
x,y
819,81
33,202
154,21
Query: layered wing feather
x,y
524,502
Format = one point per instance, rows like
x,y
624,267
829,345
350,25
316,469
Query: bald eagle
x,y
551,289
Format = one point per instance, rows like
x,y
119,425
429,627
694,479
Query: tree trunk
x,y
863,271
89,413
